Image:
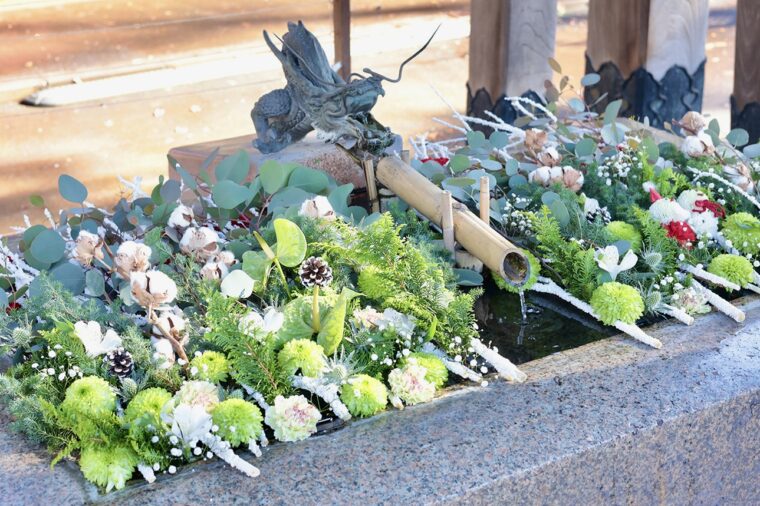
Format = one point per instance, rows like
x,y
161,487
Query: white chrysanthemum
x,y
704,224
318,207
132,257
409,384
687,198
95,342
152,288
292,418
181,217
666,210
200,242
88,247
198,393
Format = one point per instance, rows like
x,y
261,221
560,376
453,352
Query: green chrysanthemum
x,y
535,270
89,396
615,301
239,421
212,366
622,231
734,268
364,395
437,374
148,401
108,466
302,354
743,230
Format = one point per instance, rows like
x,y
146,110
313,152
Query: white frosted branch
x,y
546,285
326,390
253,447
147,472
256,396
453,367
503,366
719,302
396,401
677,313
450,125
456,114
517,103
738,189
223,451
700,273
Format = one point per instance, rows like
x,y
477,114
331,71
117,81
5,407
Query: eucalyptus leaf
x,y
489,164
258,266
468,277
71,189
95,283
48,246
459,163
548,197
585,147
229,194
512,166
498,139
3,299
170,191
289,197
37,201
476,139
274,175
560,212
612,110
71,276
310,180
338,198
590,79
187,178
738,137
517,181
233,168
752,151
577,104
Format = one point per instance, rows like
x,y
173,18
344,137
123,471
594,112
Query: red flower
x,y
654,196
442,161
700,206
681,232
12,306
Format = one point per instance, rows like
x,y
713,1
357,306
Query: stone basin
x,y
611,422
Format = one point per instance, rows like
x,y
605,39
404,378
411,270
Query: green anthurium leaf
x,y
229,194
297,318
48,246
257,265
332,327
95,283
237,284
71,189
291,243
234,167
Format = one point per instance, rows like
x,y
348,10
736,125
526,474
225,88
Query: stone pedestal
x,y
309,152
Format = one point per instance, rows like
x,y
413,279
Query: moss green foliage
x,y
302,355
252,361
239,421
364,395
615,301
535,271
212,366
734,268
149,401
437,374
743,230
620,230
108,466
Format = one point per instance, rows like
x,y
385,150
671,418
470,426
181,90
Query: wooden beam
x,y
745,101
677,35
342,30
617,32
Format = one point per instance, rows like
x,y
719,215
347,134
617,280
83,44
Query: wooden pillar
x,y
745,102
650,53
342,31
511,42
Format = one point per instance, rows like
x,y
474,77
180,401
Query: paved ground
x,y
129,135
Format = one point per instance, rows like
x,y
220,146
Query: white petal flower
x,y
318,207
608,258
704,224
181,217
666,210
190,423
273,320
152,289
95,343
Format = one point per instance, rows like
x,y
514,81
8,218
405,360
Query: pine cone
x,y
601,212
119,362
315,271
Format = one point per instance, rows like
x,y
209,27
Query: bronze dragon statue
x,y
316,97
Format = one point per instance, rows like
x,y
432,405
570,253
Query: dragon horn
x,y
272,47
401,68
306,65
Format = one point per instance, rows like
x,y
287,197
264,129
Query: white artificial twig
x,y
223,451
700,273
396,401
726,182
719,302
453,367
326,390
456,114
503,366
147,472
677,313
516,102
450,125
546,285
254,448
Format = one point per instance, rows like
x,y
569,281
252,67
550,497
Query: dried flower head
x,y
181,218
740,175
549,156
201,243
153,288
693,121
535,139
318,207
132,257
87,248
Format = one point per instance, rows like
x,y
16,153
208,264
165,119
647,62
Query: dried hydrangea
x,y
292,418
238,421
410,385
615,301
364,395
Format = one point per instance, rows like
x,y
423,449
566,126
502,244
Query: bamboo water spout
x,y
477,237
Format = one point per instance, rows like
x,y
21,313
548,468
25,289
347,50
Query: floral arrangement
x,y
623,221
159,333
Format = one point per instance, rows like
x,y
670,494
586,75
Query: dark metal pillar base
x,y
481,101
643,96
748,119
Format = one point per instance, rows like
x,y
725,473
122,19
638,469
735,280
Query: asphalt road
x,y
129,135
